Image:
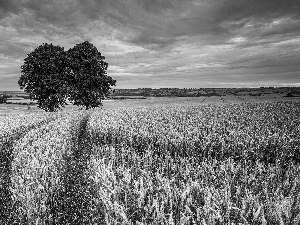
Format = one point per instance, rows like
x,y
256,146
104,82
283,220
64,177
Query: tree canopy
x,y
43,76
51,76
89,83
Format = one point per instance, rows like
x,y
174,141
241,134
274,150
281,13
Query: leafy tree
x,y
51,76
44,76
89,82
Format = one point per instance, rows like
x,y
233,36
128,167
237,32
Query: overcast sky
x,y
162,43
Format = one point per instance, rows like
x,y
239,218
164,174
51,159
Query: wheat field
x,y
232,163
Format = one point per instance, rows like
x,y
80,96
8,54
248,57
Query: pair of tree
x,y
52,76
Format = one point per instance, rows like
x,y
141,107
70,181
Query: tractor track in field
x,y
73,201
6,158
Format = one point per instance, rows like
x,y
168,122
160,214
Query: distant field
x,y
153,102
136,99
204,160
171,101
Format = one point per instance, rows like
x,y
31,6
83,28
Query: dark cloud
x,y
153,21
64,14
152,42
9,6
156,6
268,9
162,38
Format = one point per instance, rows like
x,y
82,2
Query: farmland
x,y
235,162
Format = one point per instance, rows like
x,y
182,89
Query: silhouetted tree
x,y
44,76
89,82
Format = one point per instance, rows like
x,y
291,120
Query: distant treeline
x,y
182,92
207,92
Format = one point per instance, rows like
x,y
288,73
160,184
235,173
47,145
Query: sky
x,y
162,43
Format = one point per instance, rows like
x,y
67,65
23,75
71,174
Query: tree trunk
x,y
51,108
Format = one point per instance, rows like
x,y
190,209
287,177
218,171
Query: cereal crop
x,y
214,164
234,163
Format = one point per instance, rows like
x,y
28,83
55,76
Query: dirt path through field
x,y
73,205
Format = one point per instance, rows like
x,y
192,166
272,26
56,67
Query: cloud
x,y
7,7
162,39
282,26
162,23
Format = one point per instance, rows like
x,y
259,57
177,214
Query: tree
x,y
89,83
44,76
51,76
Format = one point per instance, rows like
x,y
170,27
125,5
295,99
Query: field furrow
x,y
74,202
8,137
38,159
